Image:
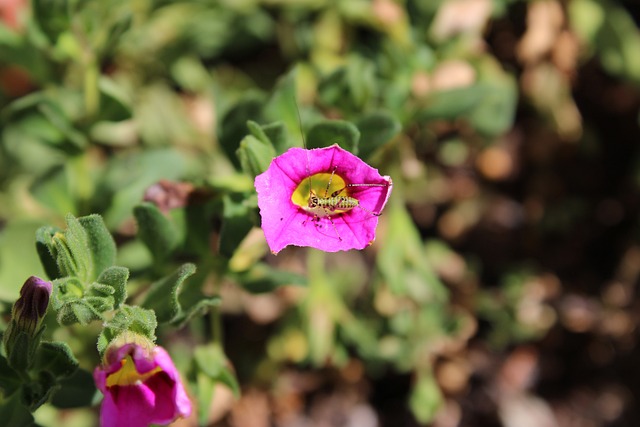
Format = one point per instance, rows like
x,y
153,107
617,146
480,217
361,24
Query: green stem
x,y
91,91
216,325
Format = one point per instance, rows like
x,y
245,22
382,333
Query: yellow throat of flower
x,y
318,184
128,374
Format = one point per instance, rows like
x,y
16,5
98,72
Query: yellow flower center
x,y
323,185
128,374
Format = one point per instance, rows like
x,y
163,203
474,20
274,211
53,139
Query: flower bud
x,y
22,336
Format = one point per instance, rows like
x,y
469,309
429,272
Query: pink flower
x,y
325,198
141,386
11,12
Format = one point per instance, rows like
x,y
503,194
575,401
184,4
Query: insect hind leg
x,y
315,220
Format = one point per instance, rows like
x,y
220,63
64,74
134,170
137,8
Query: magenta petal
x,y
179,394
285,224
156,398
131,406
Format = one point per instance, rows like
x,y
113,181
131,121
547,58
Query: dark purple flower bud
x,y
22,337
32,305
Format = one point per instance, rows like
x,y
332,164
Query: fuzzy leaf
x,y
257,131
234,125
262,278
44,244
425,399
204,386
255,155
237,221
327,133
116,278
76,391
72,251
78,312
37,392
277,134
282,106
376,129
495,114
163,296
102,248
212,361
9,379
156,231
57,359
77,303
128,318
14,413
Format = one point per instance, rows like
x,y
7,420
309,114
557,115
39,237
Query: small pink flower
x,y
141,386
325,198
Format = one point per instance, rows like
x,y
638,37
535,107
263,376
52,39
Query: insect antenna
x,y
304,145
316,219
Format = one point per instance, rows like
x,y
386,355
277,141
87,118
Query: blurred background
x,y
502,287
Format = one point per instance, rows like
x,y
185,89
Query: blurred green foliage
x,y
101,101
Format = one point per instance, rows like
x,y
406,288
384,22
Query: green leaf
x,y
53,190
65,290
263,278
79,303
277,134
191,299
9,380
495,114
74,140
72,251
205,387
14,414
79,311
453,103
102,247
115,104
255,155
351,87
128,319
282,107
234,125
44,247
401,261
37,392
237,220
488,105
611,32
163,296
52,17
57,359
128,176
116,277
327,133
425,398
257,131
20,347
157,231
376,129
76,391
212,361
